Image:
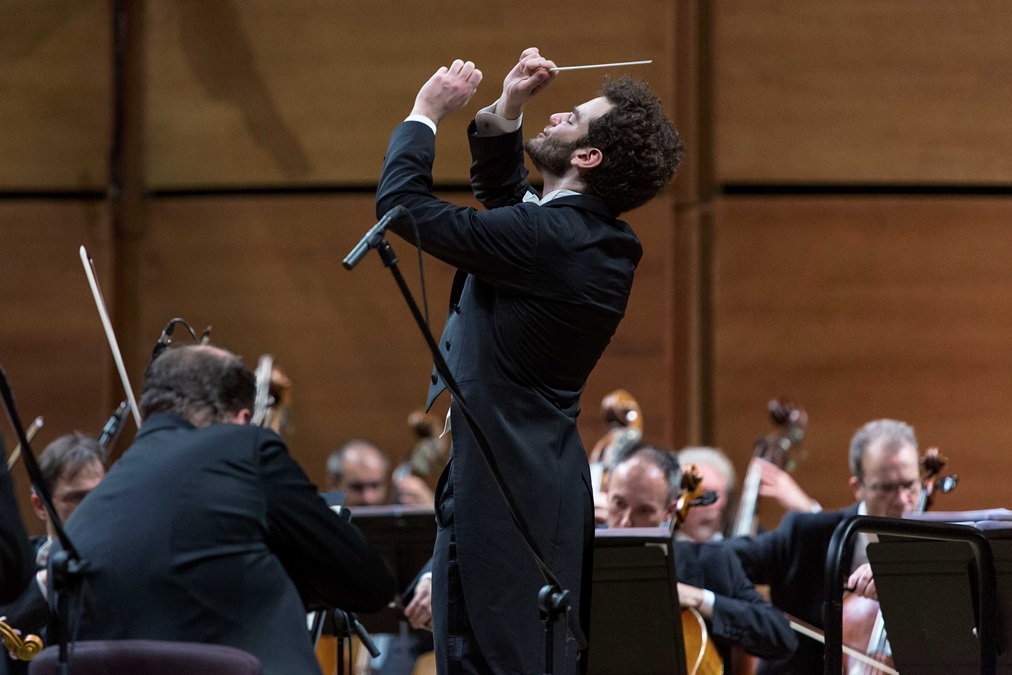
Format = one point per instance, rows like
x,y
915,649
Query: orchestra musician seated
x,y
885,479
362,471
708,523
206,530
642,492
71,467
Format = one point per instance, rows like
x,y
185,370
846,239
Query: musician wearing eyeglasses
x,y
885,479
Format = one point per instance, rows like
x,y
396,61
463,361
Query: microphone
x,y
110,432
373,237
164,340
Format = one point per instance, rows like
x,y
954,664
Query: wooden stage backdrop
x,y
837,235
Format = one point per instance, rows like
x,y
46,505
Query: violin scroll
x,y
23,649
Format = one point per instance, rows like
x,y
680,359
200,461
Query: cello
x,y
862,617
700,653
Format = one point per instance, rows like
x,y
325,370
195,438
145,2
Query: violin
x,y
273,400
23,649
701,655
863,624
783,448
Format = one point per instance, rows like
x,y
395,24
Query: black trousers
x,y
456,649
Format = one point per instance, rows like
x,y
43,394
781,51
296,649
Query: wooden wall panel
x,y
51,342
892,91
859,309
308,91
56,79
266,273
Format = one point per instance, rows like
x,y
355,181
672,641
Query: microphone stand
x,y
67,568
553,599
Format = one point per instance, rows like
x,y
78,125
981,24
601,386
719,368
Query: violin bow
x,y
89,269
12,460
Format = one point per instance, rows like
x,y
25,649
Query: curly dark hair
x,y
641,147
202,384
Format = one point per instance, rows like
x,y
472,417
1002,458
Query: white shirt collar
x,y
530,197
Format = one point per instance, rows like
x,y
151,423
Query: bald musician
x,y
885,480
206,530
642,492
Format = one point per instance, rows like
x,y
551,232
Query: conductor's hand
x,y
419,610
777,484
526,80
862,582
447,91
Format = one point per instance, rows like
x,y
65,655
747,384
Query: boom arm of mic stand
x,y
389,258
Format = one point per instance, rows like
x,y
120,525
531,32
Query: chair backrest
x,y
148,657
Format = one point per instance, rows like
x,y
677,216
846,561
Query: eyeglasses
x,y
893,488
362,486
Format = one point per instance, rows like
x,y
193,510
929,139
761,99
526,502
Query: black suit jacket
x,y
740,615
216,535
16,562
539,293
792,560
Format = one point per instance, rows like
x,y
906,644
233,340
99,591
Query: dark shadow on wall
x,y
224,64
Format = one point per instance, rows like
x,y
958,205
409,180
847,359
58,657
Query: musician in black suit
x,y
541,288
642,492
791,559
16,561
206,530
71,466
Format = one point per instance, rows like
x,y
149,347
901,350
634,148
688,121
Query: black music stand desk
x,y
635,622
927,592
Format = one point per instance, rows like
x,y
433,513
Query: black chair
x,y
148,657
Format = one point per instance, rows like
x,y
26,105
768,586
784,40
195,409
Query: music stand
x,y
635,620
405,535
927,594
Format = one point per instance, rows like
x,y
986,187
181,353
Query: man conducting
x,y
542,284
207,531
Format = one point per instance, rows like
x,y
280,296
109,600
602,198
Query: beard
x,y
550,156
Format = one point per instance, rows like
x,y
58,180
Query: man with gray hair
x,y
708,523
885,479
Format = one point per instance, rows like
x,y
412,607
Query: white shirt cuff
x,y
489,123
423,119
427,575
708,600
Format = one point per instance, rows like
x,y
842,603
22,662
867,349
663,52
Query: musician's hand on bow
x,y
419,610
862,582
777,484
